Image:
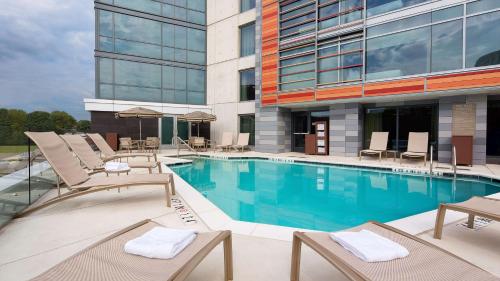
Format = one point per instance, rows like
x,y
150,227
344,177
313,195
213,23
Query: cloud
x,y
47,55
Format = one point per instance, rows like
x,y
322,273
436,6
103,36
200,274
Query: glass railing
x,y
25,176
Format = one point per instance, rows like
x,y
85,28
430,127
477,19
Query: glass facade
x,y
247,40
375,7
246,5
151,60
247,125
247,85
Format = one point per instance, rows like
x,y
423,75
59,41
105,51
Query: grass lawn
x,y
14,148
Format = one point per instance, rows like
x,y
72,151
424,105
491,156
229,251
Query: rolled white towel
x,y
369,246
116,166
161,243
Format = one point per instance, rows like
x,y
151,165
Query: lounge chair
x,y
198,143
106,260
127,144
68,169
418,144
476,206
108,153
242,143
378,145
226,142
152,144
425,261
89,158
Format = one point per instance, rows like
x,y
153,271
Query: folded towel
x,y
161,243
369,246
116,166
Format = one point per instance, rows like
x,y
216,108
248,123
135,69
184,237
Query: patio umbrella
x,y
197,117
140,113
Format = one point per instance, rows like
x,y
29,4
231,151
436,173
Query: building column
x,y
273,129
446,123
346,129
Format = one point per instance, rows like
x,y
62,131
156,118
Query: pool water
x,y
320,197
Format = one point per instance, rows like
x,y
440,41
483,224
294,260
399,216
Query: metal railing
x,y
432,161
454,162
178,141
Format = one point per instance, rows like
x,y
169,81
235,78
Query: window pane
x,y
196,57
196,40
168,35
448,13
137,74
106,44
196,98
106,92
297,77
180,13
168,77
198,5
247,38
247,125
168,53
447,46
137,94
328,77
196,80
182,3
168,96
105,70
297,68
350,74
180,96
147,6
180,78
482,6
196,17
399,25
328,63
180,37
483,45
375,7
247,85
180,55
297,50
297,85
246,5
297,60
138,49
105,23
400,54
137,29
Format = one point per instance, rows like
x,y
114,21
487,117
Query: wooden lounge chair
x,y
68,169
378,145
476,206
198,143
89,158
425,261
127,144
152,144
226,142
418,144
107,153
242,143
106,260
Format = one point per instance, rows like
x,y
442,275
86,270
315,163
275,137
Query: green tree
x,y
18,119
83,126
5,129
39,121
63,122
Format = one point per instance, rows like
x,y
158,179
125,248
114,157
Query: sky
x,y
47,55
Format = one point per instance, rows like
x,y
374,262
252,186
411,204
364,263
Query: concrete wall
x,y
273,130
345,129
224,64
446,121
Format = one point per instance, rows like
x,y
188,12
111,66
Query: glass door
x,y
300,128
167,130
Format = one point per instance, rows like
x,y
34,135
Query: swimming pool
x,y
320,197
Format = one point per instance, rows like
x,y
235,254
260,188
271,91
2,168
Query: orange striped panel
x,y
293,97
267,2
347,92
270,22
270,47
269,100
407,86
486,78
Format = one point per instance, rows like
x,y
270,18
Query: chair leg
x,y
150,170
438,227
167,195
470,221
228,259
425,160
400,159
296,249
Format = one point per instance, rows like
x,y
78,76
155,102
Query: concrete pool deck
x,y
31,245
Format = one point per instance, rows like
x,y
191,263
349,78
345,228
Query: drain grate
x,y
183,212
479,223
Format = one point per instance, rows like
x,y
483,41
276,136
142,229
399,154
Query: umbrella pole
x,y
198,129
140,129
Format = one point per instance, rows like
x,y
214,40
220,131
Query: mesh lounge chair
x,y
227,141
109,154
378,145
89,158
78,182
425,261
152,144
106,260
476,206
418,144
242,143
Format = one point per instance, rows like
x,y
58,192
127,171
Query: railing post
x,y
432,159
454,163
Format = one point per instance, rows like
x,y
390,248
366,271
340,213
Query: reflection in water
x,y
320,197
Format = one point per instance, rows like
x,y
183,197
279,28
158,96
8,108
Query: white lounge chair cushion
x,y
116,166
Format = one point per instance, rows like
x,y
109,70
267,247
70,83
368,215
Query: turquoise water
x,y
320,197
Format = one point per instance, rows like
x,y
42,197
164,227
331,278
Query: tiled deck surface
x,y
30,245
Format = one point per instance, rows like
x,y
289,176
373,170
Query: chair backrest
x,y
379,141
198,141
83,151
126,141
227,138
418,142
101,144
60,158
243,138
